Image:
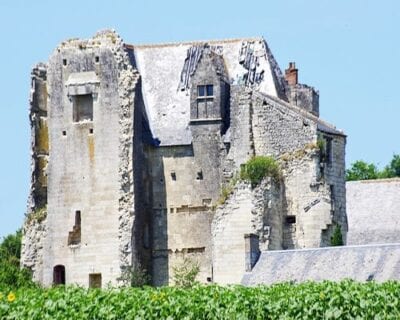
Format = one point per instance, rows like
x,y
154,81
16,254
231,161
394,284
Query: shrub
x,y
185,274
259,167
337,238
134,276
38,215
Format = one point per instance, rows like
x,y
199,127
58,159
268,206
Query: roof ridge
x,y
194,42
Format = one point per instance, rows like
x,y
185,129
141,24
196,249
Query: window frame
x,y
203,96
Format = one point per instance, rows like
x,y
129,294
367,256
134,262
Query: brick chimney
x,y
291,74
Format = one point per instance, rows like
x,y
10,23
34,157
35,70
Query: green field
x,y
325,300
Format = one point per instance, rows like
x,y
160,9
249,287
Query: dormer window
x,y
205,91
205,100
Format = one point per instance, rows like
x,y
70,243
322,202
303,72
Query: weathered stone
x,y
132,147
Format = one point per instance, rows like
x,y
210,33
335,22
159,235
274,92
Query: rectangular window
x,y
205,101
95,280
210,90
201,91
205,91
82,107
290,219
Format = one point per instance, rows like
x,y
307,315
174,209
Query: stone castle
x,y
135,153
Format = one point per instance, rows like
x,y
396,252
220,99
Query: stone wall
x,y
183,193
34,229
361,263
247,210
373,210
90,169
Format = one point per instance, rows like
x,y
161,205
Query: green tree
x,y
361,170
392,169
11,275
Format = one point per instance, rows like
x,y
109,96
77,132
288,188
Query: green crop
x,y
324,300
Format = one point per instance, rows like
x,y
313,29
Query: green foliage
x,y
321,144
259,167
134,277
361,170
227,189
322,300
392,169
185,274
337,238
10,273
38,215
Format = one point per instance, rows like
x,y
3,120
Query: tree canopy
x,y
361,170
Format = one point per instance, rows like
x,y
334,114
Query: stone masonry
x,y
134,147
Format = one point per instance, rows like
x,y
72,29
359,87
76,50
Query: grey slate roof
x,y
167,106
373,211
361,263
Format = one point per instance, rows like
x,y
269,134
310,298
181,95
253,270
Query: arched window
x,y
59,274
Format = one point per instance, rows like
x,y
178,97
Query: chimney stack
x,y
291,74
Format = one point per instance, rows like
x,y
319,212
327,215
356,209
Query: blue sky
x,y
348,49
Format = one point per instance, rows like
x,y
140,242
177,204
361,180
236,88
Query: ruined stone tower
x,y
132,146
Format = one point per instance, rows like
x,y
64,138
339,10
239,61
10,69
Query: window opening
x,y
82,107
205,100
291,219
95,280
74,236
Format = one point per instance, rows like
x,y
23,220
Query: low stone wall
x,y
361,263
373,210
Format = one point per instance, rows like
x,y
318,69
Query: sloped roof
x,y
168,106
361,263
373,211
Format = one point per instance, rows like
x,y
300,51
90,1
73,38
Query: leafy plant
x,y
11,274
38,215
337,238
259,167
227,189
134,276
321,144
311,300
185,274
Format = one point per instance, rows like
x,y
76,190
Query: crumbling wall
x,y
35,229
305,97
308,200
258,211
91,167
333,174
